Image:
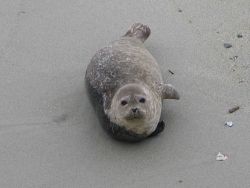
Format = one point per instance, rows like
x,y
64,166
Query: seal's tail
x,y
139,31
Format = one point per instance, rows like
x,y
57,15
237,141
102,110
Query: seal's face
x,y
135,108
132,103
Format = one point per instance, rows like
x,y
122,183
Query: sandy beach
x,y
49,133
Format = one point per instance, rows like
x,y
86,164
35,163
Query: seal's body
x,y
126,84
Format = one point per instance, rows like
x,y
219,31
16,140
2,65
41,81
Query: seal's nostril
x,y
134,110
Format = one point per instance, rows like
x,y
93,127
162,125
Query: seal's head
x,y
135,108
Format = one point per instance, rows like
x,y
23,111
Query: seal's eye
x,y
142,100
123,103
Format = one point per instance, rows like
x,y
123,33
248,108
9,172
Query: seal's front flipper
x,y
160,127
169,92
139,31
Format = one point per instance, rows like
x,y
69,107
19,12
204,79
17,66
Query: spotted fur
x,y
126,69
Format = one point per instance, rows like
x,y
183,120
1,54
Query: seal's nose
x,y
134,110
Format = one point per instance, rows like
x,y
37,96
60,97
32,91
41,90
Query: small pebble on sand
x,y
233,109
239,35
170,71
221,157
227,45
229,124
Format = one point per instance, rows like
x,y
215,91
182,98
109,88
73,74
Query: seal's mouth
x,y
134,116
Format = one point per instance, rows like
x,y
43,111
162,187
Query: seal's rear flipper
x,y
169,92
139,31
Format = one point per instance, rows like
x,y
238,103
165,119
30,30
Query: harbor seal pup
x,y
125,84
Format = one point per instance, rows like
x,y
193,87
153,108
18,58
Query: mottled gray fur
x,y
119,69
